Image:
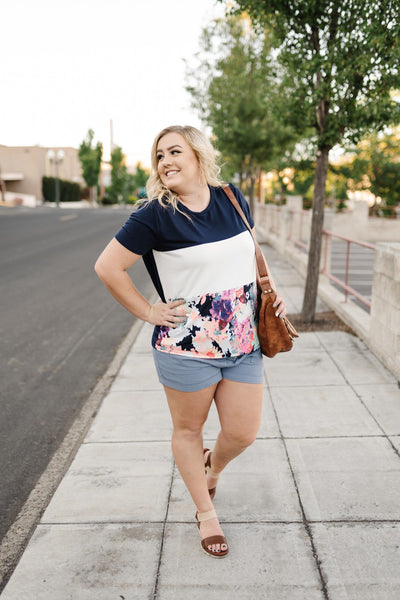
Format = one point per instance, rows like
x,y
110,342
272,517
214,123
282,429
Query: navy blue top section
x,y
154,227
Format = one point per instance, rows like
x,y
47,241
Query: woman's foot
x,y
212,476
212,538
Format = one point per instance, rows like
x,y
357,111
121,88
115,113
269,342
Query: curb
x,y
17,537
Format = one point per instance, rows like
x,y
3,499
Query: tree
x,y
232,90
342,57
376,167
90,158
140,177
117,191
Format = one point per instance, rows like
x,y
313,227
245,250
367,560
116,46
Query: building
x,y
22,169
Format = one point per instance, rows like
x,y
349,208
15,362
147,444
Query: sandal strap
x,y
206,516
207,465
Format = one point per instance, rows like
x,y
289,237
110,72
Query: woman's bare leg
x,y
239,408
189,411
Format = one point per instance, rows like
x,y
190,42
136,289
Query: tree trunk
x,y
314,254
252,176
251,192
242,178
260,187
93,194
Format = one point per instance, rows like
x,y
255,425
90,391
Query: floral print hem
x,y
218,325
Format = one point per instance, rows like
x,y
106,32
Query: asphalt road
x,y
59,330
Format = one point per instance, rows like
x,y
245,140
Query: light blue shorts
x,y
191,374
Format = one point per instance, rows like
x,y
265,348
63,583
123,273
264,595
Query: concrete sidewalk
x,y
311,511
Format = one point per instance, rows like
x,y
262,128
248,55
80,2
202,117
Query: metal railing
x,y
297,230
344,285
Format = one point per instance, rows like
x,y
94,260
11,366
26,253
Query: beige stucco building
x,y
22,169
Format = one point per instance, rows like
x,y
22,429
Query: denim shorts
x,y
191,374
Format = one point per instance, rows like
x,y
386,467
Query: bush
x,y
85,193
69,191
387,211
107,200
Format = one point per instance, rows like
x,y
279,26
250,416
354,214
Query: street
x,y
59,330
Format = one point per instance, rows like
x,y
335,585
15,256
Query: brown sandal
x,y
209,471
212,539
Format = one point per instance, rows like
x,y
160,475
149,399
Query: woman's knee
x,y
240,438
188,431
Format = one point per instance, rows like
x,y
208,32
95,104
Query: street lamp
x,y
56,158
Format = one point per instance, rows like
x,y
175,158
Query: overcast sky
x,y
70,66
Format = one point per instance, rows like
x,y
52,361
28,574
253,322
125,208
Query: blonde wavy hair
x,y
204,152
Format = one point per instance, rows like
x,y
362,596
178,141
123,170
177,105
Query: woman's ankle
x,y
209,466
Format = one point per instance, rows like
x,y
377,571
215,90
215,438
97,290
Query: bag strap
x,y
263,272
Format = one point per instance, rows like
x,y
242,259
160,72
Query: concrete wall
x,y
385,310
17,199
380,330
291,221
358,225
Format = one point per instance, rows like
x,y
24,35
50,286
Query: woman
x,y
200,257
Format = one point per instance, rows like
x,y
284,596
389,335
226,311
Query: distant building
x,y
22,169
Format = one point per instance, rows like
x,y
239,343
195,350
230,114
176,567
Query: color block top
x,y
208,259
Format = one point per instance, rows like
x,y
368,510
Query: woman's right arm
x,y
112,266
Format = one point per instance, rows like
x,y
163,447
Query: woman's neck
x,y
196,200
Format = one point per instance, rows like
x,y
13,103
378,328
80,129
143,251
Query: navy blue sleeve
x,y
139,234
243,204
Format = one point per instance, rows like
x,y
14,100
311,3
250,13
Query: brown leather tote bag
x,y
274,333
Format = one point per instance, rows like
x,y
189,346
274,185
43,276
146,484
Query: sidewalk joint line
x,y
355,521
155,589
351,386
111,442
334,437
306,523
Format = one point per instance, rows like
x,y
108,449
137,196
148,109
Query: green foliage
x,y
125,187
139,179
232,88
117,191
108,200
69,191
376,167
303,176
341,62
90,157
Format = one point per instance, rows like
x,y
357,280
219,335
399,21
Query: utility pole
x,y
112,145
56,158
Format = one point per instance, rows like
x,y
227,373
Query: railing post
x,y
346,274
294,205
283,232
326,254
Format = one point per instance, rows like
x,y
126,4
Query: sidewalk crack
x,y
155,589
306,522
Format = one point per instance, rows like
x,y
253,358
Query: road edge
x,y
19,534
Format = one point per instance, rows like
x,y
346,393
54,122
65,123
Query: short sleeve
x,y
243,204
139,234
